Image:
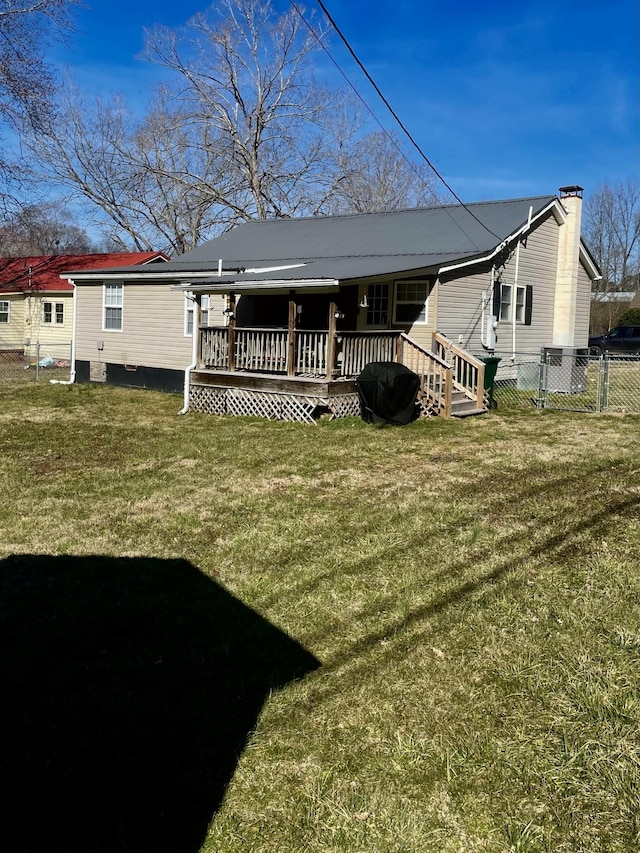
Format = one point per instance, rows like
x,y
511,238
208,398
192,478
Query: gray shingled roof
x,y
359,245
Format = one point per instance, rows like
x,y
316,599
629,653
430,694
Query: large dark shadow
x,y
128,690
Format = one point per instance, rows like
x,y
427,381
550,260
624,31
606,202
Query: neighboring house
x,y
308,302
36,305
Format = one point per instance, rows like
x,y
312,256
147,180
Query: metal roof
x,y
355,246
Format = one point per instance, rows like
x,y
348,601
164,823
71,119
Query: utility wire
x,y
391,110
384,130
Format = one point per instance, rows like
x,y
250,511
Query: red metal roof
x,y
42,273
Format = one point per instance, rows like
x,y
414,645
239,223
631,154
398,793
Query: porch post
x,y
331,341
197,331
291,337
232,332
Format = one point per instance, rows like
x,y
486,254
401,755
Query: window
x,y
5,313
513,303
53,312
113,307
377,304
411,302
204,313
504,314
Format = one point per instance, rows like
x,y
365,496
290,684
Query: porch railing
x,y
467,370
265,350
444,369
357,349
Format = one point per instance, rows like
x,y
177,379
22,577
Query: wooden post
x,y
232,332
197,321
291,338
331,341
448,389
399,343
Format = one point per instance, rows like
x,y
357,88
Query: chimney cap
x,y
571,191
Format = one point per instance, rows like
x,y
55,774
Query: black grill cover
x,y
388,393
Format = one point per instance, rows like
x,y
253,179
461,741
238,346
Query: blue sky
x,y
506,99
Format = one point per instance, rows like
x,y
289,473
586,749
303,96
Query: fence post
x,y
542,381
37,359
605,382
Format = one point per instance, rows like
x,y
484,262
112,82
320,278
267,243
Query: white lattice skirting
x,y
266,404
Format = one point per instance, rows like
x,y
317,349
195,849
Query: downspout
x,y
74,325
514,301
194,355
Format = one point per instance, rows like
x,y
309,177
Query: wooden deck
x,y
300,374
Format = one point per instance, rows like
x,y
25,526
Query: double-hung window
x,y
411,302
5,311
113,298
189,311
53,312
513,303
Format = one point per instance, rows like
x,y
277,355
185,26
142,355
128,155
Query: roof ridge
x,y
398,210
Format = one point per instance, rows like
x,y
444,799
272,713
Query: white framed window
x,y
5,311
189,312
513,303
411,302
113,303
53,313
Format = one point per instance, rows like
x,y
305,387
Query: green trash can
x,y
491,363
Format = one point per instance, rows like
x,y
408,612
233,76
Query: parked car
x,y
620,339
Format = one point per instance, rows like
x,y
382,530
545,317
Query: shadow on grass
x,y
129,688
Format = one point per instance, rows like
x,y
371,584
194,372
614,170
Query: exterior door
x,y
375,308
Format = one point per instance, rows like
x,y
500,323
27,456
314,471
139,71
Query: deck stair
x,y
463,407
452,380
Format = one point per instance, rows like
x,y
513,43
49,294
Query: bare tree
x,y
43,230
374,173
612,232
241,131
26,83
245,74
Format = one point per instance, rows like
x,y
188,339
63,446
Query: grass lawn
x,y
337,638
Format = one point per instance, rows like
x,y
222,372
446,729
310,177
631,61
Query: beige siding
x,y
12,334
52,336
421,333
583,308
460,296
153,327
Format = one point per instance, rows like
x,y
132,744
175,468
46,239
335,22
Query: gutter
x,y
555,205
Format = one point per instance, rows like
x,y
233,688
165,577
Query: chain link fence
x,y
571,381
38,362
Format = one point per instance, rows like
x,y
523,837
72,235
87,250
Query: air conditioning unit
x,y
565,369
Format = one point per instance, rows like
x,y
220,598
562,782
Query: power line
x,y
390,108
384,130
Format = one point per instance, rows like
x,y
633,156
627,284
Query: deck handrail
x,y
467,370
435,373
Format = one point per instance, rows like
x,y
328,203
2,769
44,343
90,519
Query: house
x,y
289,311
36,305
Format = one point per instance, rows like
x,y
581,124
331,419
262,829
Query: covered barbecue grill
x,y
388,393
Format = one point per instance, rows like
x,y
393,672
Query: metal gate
x,y
586,383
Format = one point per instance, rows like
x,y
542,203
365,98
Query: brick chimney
x,y
566,295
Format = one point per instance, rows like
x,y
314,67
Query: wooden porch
x,y
296,374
